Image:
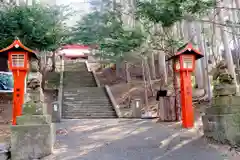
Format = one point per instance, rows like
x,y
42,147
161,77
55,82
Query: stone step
x,y
78,85
72,78
85,96
89,109
74,91
89,117
87,89
78,75
79,79
96,98
80,115
86,110
87,106
80,100
79,93
83,71
86,102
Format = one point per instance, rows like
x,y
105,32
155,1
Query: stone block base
x,y
33,119
30,142
224,90
226,101
224,128
222,110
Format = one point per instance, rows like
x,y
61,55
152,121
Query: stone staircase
x,y
81,96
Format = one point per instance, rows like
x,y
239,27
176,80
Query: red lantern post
x,y
184,63
18,58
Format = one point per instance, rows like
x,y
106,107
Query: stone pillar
x,y
34,134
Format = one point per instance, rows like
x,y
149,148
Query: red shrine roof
x,y
75,46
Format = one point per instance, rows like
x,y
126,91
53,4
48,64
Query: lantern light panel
x,y
187,62
18,60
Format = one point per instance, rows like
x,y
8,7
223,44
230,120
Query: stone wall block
x,y
34,108
226,100
213,128
30,142
223,128
224,90
34,119
222,110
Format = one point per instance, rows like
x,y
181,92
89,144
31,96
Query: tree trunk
x,y
128,76
153,69
148,77
53,61
224,36
162,68
145,85
178,110
118,69
207,85
198,70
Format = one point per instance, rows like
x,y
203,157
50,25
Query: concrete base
x,y
30,142
224,128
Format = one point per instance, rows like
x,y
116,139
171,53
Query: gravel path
x,y
122,139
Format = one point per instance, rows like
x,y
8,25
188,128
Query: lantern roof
x,y
187,49
18,46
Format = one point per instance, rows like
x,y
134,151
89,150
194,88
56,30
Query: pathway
x,y
129,139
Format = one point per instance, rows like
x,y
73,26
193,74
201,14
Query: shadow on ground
x,y
129,139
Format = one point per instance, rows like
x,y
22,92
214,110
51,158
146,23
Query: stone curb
x,y
94,74
113,101
60,89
